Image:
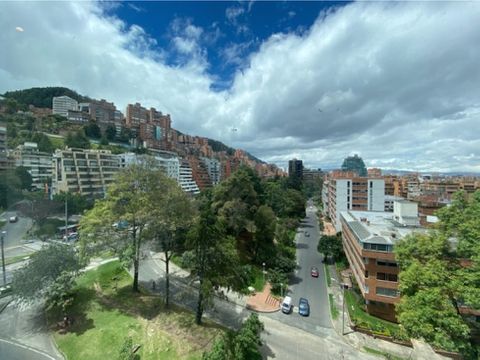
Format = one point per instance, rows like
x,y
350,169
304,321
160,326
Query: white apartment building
x,y
389,201
61,105
37,163
358,194
4,163
214,169
186,180
87,172
168,163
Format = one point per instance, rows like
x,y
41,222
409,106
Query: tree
x,y
211,256
77,140
40,209
172,218
76,203
49,274
330,246
110,132
9,189
103,140
24,177
92,130
241,345
131,199
435,285
265,222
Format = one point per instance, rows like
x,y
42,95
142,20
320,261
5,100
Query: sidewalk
x,y
184,276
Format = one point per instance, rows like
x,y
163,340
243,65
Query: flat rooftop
x,y
377,227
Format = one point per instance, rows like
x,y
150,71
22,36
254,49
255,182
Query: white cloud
x,y
397,83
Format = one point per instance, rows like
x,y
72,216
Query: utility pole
x,y
344,287
66,218
3,260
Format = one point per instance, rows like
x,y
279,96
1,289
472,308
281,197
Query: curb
x,y
249,307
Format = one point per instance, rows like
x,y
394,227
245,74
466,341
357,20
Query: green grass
x,y
327,274
362,318
15,259
382,353
106,312
333,308
58,143
2,222
258,282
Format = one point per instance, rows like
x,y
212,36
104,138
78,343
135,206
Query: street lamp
x,y
263,264
3,260
344,287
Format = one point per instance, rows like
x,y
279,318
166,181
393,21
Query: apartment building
x,y
168,162
199,173
186,180
135,115
214,169
101,111
295,168
37,163
312,174
369,239
357,193
87,172
4,162
389,201
62,104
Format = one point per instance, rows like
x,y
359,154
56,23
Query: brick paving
x,y
263,301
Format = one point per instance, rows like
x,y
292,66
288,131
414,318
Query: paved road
x,y
24,335
17,230
284,342
303,284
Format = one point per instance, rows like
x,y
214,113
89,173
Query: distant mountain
x,y
42,97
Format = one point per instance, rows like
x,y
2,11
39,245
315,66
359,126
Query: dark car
x,y
314,271
303,307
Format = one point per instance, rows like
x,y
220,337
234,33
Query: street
x,y
302,284
16,231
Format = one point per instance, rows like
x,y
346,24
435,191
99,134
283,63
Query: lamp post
x,y
344,287
3,260
263,264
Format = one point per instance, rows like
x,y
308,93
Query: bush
x,y
277,278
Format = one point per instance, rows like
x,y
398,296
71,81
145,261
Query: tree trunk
x,y
199,313
167,278
136,260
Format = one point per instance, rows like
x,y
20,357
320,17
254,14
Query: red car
x,y
314,272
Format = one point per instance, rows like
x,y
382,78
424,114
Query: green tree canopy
x,y
77,140
48,274
24,177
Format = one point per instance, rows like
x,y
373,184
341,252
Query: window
x,y
387,292
386,263
387,277
366,273
377,247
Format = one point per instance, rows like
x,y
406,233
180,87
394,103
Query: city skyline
x,y
317,87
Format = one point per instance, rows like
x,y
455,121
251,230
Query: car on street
x,y
13,219
287,305
303,307
314,272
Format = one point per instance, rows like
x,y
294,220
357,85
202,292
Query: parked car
x,y
13,219
287,305
314,271
303,307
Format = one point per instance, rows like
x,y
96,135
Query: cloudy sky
x,y
397,83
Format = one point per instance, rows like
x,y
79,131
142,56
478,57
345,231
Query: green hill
x,y
42,96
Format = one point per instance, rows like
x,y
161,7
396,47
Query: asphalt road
x,y
24,335
16,231
302,284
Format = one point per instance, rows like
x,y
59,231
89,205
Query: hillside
x,y
42,97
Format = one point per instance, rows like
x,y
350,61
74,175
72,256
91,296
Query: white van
x,y
287,305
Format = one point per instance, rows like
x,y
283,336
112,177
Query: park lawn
x,y
106,312
58,143
259,279
15,259
386,355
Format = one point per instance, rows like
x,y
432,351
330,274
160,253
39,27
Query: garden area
x,y
107,316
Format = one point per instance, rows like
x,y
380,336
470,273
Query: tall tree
x,y
330,246
110,132
172,218
212,256
131,199
265,223
77,140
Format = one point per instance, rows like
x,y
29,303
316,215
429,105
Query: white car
x,y
13,219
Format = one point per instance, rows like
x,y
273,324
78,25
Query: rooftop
x,y
377,227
